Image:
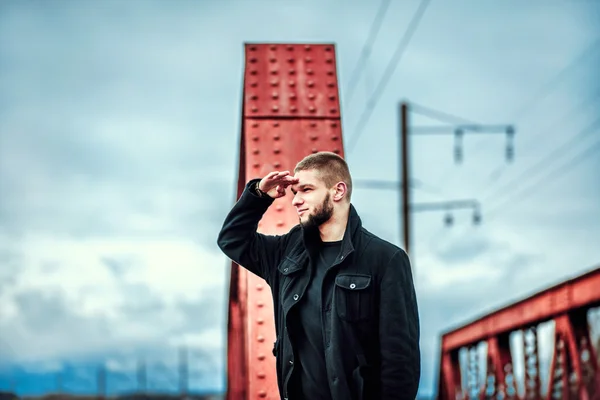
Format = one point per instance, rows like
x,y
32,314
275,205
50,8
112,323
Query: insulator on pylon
x,y
448,219
458,154
510,152
476,217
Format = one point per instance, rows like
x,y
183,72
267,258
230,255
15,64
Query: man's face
x,y
312,199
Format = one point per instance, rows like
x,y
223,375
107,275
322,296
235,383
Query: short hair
x,y
331,169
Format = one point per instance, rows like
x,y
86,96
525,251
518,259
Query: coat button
x,y
291,362
352,286
296,297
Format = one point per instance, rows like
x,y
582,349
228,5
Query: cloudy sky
x,y
119,131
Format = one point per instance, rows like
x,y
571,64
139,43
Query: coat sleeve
x,y
399,331
240,241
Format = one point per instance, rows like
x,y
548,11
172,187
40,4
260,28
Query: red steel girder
x,y
574,372
582,291
290,109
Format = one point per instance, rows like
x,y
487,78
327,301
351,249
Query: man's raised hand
x,y
275,183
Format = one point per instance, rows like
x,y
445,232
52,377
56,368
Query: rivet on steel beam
x,y
260,339
253,97
331,84
334,138
313,137
307,48
261,375
253,72
274,82
333,110
336,151
293,108
334,124
255,151
292,83
254,109
292,71
254,84
332,97
280,223
310,84
275,95
314,150
273,47
279,207
327,48
313,124
260,304
277,151
275,108
252,48
253,60
290,48
272,59
290,59
259,286
256,165
311,96
276,124
261,357
255,138
277,165
274,72
276,137
309,71
255,124
329,60
329,72
311,109
292,95
262,393
307,59
260,321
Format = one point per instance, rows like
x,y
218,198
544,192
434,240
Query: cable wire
x,y
572,163
366,50
391,67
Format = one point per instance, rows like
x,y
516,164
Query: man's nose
x,y
296,200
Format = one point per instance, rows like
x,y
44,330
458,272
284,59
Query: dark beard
x,y
321,215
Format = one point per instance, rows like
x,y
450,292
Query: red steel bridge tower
x,y
290,109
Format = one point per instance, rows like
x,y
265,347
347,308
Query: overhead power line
x,y
391,67
366,50
520,191
555,173
548,160
545,89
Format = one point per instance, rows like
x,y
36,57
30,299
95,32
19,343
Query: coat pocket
x,y
353,297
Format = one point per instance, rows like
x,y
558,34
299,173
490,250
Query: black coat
x,y
370,315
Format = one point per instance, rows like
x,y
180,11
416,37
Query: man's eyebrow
x,y
301,186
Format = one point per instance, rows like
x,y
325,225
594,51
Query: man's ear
x,y
341,190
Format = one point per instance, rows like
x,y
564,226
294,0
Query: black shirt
x,y
312,378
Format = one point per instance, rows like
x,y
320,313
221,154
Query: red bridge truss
x,y
573,372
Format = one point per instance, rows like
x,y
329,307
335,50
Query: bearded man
x,y
346,315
